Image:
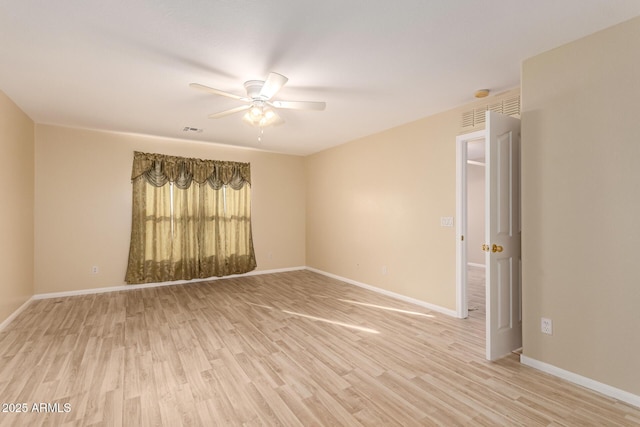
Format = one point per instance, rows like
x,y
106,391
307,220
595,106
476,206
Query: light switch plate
x,y
446,221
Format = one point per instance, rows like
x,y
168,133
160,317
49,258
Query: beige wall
x,y
83,204
377,202
16,209
581,206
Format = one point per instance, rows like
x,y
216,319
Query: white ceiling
x,y
126,65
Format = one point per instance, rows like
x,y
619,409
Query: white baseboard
x,y
13,315
401,297
155,285
607,390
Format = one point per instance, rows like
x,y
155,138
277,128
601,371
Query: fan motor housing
x,y
253,88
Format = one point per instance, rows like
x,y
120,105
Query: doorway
x,y
470,183
501,247
475,237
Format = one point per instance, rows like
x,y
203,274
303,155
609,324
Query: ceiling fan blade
x,y
300,105
217,92
229,112
272,85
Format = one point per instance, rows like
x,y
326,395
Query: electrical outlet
x,y
546,326
94,269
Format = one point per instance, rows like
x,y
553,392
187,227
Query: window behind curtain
x,y
191,219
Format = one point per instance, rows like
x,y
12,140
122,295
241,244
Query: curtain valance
x,y
159,169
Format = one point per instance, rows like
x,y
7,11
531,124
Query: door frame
x,y
462,308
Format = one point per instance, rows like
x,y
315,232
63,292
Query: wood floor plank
x,y
289,349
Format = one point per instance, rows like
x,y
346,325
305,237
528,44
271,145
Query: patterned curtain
x,y
191,219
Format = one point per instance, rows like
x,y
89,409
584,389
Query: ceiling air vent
x,y
191,129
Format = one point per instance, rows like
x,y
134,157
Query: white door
x,y
504,308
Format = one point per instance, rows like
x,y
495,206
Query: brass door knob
x,y
485,248
496,248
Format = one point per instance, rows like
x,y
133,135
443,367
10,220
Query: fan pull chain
x,y
261,133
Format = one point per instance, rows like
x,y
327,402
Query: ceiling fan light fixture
x,y
249,118
255,111
261,117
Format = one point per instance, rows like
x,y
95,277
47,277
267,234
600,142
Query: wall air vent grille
x,y
511,106
478,115
497,107
467,119
475,118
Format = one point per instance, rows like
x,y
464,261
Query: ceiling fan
x,y
259,106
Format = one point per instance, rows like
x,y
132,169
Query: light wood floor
x,y
284,349
476,301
